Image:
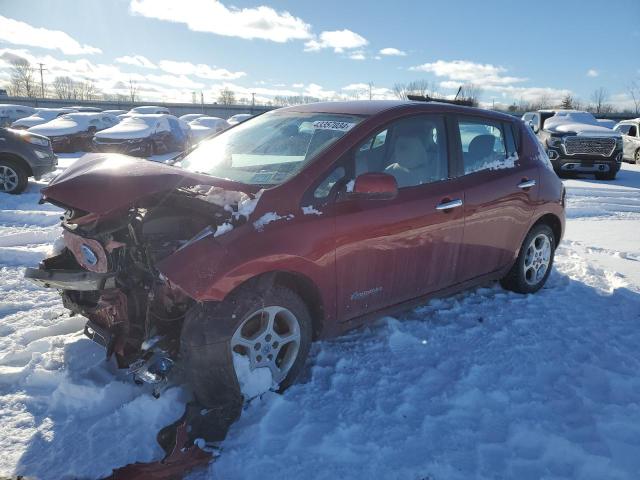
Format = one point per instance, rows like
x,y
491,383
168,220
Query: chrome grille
x,y
589,146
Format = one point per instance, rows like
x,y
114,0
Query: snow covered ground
x,y
486,384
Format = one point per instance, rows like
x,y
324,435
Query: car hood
x,y
581,129
126,132
101,184
57,128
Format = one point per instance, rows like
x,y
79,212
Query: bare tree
x,y
599,98
417,87
22,80
634,93
133,91
471,93
226,97
64,88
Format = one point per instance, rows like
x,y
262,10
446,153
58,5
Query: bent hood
x,y
126,131
580,129
57,128
101,184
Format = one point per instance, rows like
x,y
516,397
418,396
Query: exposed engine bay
x,y
105,271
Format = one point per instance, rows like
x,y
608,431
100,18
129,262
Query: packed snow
x,y
268,218
484,384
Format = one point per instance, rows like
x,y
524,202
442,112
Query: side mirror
x,y
533,126
375,185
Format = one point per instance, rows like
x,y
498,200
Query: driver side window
x,y
413,150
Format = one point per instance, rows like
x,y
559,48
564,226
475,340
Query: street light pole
x,y
41,80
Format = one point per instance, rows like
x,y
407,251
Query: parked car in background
x,y
23,155
191,116
630,131
11,113
83,108
115,112
143,136
298,225
43,115
576,142
238,118
149,109
206,126
74,132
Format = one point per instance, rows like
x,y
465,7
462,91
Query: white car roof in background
x,y
148,109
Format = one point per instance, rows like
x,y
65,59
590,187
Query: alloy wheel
x,y
8,179
269,337
537,258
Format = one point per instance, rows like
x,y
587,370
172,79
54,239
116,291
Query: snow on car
x,y
238,118
149,109
74,132
630,131
205,126
43,115
115,112
10,113
143,135
191,116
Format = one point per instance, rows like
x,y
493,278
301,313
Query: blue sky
x,y
512,50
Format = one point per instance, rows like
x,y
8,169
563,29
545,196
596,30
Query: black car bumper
x,y
129,147
584,163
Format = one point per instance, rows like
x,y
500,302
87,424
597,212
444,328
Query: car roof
x,y
374,107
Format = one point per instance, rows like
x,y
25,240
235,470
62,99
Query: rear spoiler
x,y
426,98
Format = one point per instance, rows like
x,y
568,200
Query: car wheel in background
x,y
535,260
257,339
13,177
636,157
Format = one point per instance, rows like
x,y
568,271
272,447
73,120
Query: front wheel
x,y
13,177
256,340
535,260
636,157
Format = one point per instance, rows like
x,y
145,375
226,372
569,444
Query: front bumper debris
x,y
79,280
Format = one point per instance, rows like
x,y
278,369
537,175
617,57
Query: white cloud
x,y
362,89
213,17
339,40
136,60
297,85
462,71
199,70
592,72
359,55
21,33
389,51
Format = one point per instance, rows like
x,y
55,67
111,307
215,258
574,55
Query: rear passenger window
x,y
483,145
413,150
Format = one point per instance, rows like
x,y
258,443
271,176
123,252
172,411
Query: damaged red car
x,y
297,225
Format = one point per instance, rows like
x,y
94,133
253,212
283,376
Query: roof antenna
x,y
459,90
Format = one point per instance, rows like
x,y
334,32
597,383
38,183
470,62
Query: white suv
x,y
630,130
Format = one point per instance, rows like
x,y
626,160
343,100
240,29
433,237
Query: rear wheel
x,y
636,157
231,348
535,260
13,177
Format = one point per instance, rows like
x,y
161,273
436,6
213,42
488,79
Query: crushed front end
x,y
104,269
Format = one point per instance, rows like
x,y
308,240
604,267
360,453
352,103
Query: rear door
x,y
500,191
389,251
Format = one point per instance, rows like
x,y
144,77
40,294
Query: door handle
x,y
525,184
448,205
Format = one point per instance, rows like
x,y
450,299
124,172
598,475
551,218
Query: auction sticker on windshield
x,y
333,125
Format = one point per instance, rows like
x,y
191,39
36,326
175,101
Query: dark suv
x,y
297,225
23,155
577,143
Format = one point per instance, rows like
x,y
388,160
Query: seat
x,y
480,149
409,161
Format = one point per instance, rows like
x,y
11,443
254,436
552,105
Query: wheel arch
x,y
554,223
19,160
299,283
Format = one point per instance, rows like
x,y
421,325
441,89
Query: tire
x,y
524,277
14,178
636,157
210,332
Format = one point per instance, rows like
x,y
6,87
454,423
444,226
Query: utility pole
x,y
253,101
202,100
370,90
41,80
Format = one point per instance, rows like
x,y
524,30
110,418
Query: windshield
x,y
268,149
206,122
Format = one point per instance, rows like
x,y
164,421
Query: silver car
x,y
630,130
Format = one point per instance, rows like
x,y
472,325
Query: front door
x,y
389,251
